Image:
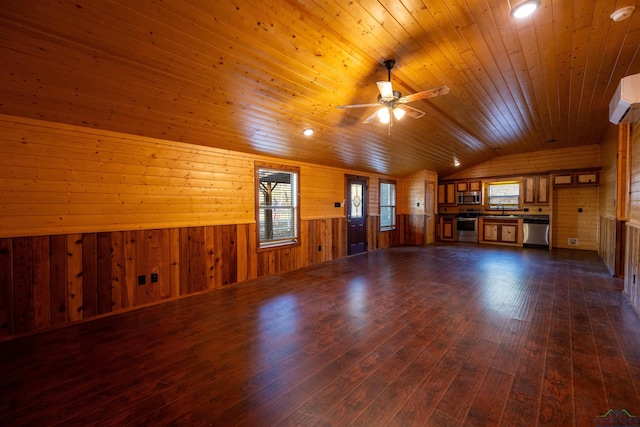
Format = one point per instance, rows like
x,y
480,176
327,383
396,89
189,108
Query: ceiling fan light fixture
x,y
398,113
384,115
524,9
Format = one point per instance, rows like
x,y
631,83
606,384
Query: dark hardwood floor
x,y
444,335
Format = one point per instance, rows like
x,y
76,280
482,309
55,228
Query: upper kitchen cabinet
x,y
465,186
585,177
536,190
447,193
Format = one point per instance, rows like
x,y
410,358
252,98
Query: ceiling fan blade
x,y
371,118
386,91
412,112
356,106
443,90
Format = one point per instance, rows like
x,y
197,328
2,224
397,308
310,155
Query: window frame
x,y
394,206
504,207
264,245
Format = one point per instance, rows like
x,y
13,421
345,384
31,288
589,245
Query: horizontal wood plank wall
x,y
61,179
539,161
321,189
568,222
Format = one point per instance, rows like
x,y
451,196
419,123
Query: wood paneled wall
x,y
632,270
634,185
569,222
611,230
60,179
86,213
632,252
609,173
56,279
536,162
607,241
47,281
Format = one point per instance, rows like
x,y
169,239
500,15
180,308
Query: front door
x,y
356,214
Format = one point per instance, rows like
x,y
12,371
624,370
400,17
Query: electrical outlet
x,y
142,280
319,248
572,241
154,277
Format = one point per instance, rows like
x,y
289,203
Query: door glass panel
x,y
356,200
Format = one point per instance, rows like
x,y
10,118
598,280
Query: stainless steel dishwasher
x,y
535,232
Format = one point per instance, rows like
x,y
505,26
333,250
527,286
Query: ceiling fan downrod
x,y
388,64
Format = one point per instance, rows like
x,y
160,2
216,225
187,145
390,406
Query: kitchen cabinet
x,y
501,231
464,186
447,193
563,179
587,178
536,190
446,227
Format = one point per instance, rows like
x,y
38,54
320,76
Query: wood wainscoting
x,y
47,281
632,270
607,242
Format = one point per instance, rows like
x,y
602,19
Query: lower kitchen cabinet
x,y
501,231
446,227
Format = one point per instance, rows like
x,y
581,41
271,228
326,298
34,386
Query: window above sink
x,y
503,196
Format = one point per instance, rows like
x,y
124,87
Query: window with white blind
x,y
278,206
387,205
503,195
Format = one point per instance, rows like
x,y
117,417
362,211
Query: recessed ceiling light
x,y
307,132
525,8
622,13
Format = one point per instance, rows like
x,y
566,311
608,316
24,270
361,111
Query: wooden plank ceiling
x,y
250,75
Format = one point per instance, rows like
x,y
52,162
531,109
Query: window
x,y
503,195
387,205
278,205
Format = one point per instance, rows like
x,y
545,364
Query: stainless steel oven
x,y
466,229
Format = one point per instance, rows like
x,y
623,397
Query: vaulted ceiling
x,y
250,75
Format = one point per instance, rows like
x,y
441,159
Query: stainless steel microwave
x,y
469,198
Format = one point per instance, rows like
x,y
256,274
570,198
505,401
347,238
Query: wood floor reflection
x,y
443,335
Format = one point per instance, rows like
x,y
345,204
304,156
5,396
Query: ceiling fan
x,y
392,103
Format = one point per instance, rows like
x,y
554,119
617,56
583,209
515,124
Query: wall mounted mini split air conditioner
x,y
625,104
